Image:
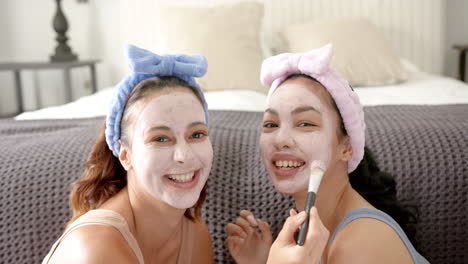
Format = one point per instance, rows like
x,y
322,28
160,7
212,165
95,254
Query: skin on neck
x,y
335,195
157,223
331,197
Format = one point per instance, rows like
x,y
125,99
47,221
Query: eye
x,y
305,124
161,139
198,135
269,125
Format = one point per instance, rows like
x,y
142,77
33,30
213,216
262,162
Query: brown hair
x,y
104,176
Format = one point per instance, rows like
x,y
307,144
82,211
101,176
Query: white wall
x,y
6,89
27,35
100,29
457,33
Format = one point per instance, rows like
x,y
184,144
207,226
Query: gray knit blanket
x,y
424,147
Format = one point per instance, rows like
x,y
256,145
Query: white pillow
x,y
361,53
409,66
228,35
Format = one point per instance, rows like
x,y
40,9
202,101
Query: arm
x,y
368,241
94,244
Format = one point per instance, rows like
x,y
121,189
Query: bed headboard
x,y
415,29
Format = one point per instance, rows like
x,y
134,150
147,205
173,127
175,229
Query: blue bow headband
x,y
144,64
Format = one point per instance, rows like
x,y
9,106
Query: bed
x,y
416,127
421,88
425,147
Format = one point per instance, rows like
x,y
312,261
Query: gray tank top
x,y
381,216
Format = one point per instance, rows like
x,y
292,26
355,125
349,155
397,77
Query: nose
x,y
183,153
283,139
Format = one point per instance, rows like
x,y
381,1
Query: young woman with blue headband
x,y
315,117
140,196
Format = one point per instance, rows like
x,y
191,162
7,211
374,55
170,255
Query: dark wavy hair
x,y
379,189
376,186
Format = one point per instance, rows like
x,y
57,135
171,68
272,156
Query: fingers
x,y
235,230
263,226
286,235
250,217
245,225
234,244
265,229
292,212
317,231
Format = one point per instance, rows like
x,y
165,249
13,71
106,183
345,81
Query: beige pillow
x,y
228,35
361,54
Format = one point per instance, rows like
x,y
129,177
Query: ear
x,y
125,157
345,150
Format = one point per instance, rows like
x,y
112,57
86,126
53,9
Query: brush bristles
x,y
319,165
317,170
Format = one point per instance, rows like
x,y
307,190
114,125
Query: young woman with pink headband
x,y
314,115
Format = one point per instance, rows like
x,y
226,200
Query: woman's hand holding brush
x,y
285,249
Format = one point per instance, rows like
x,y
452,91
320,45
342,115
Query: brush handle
x,y
303,230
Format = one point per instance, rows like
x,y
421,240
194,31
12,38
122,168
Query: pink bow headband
x,y
316,63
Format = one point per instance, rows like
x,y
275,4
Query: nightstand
x,y
17,67
461,60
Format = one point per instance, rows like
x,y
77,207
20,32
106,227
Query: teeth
x,y
182,177
288,164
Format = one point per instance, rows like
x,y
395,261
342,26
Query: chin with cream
x,y
171,151
297,130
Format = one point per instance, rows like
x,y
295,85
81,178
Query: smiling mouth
x,y
288,164
183,178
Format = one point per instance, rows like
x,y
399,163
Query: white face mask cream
x,y
297,130
171,153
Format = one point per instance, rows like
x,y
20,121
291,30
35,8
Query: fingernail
x,y
252,220
301,215
313,210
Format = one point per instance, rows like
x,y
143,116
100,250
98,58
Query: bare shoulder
x,y
94,244
368,240
203,249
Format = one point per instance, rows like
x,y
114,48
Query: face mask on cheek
x,y
176,173
153,166
308,146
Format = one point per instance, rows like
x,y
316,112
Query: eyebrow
x,y
168,129
196,124
272,111
302,109
295,111
159,128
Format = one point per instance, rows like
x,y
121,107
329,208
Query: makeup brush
x,y
317,170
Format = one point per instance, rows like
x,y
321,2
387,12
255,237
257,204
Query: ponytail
x,y
103,177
